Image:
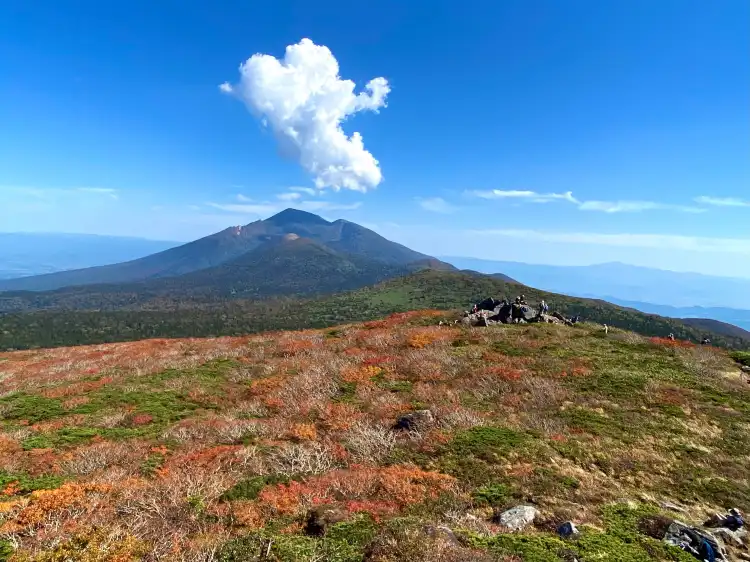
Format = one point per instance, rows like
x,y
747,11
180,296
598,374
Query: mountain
x,y
622,281
283,266
735,316
427,289
717,327
221,247
26,254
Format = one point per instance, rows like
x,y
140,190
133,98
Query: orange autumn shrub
x,y
266,385
399,486
303,432
339,416
247,514
505,373
76,388
220,455
293,347
43,503
360,373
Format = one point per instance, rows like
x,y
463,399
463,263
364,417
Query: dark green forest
x,y
431,289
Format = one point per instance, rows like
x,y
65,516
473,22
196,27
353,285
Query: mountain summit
x,y
295,216
342,237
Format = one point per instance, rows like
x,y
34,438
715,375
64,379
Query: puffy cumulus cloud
x,y
303,100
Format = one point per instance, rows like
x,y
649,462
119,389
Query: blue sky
x,y
542,131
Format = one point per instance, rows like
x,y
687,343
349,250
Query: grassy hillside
x,y
427,289
220,449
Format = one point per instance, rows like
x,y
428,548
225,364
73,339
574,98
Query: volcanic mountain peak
x,y
295,216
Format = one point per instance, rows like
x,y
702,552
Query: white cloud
x,y
634,207
304,100
658,241
246,208
600,206
315,206
267,209
290,196
50,193
436,205
722,201
243,198
98,190
306,190
532,196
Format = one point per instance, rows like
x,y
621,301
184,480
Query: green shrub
x,y
487,441
249,488
27,484
492,494
32,407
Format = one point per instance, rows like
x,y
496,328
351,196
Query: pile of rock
x,y
492,311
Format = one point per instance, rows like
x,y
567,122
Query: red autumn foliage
x,y
666,342
398,486
141,419
505,373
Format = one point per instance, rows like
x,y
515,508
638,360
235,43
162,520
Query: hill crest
x,y
396,427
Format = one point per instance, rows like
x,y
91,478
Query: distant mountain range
x,y
296,254
340,236
25,254
290,254
627,284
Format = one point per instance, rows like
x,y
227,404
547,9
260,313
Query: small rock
x,y
442,532
673,507
567,530
518,517
319,519
735,538
414,421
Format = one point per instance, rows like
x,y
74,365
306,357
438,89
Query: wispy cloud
x,y
658,241
326,206
305,190
635,207
304,101
246,208
50,193
722,201
436,205
597,206
289,196
99,191
266,208
531,196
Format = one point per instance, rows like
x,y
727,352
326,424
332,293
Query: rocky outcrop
x,y
320,518
517,518
415,421
492,311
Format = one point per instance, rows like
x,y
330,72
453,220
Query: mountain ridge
x,y
225,245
